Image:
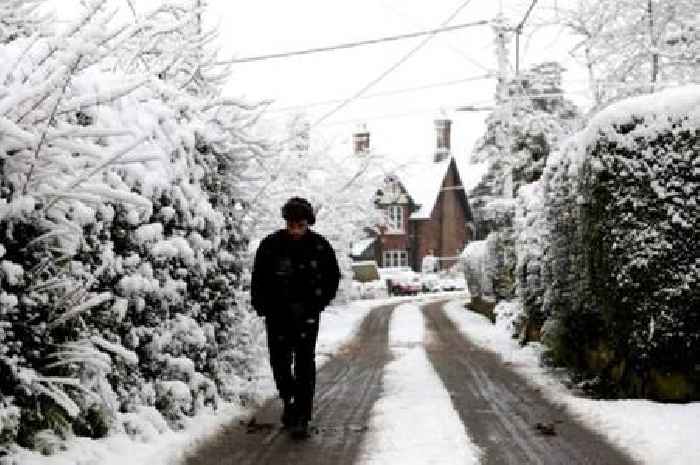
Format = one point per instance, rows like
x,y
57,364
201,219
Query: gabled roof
x,y
359,247
423,181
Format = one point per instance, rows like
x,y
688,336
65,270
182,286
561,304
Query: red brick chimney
x,y
360,140
442,131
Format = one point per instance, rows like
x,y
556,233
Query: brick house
x,y
426,209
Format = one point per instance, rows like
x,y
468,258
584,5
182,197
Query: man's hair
x,y
297,209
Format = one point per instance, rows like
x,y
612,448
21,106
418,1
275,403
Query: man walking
x,y
295,276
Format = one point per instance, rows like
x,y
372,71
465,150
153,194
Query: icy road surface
x,y
410,389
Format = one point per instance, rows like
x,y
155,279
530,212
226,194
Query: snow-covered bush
x,y
121,246
478,268
623,294
523,132
531,239
509,317
489,265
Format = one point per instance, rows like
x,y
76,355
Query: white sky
x,y
401,125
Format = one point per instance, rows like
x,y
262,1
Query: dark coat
x,y
287,271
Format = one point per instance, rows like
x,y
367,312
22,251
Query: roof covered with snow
x,y
423,180
359,247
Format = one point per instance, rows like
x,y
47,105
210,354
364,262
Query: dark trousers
x,y
291,340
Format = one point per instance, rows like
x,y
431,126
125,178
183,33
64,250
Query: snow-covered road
x,y
420,381
410,388
414,422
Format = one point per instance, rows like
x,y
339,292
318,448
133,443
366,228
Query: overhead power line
x,y
476,106
391,68
457,50
412,112
518,31
362,91
384,94
331,48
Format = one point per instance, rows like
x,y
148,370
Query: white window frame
x,y
395,219
394,258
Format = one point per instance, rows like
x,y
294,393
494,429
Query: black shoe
x,y
300,430
288,414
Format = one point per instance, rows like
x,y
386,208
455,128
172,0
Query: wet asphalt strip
x,y
508,419
347,387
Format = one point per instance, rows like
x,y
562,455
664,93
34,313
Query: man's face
x,y
297,228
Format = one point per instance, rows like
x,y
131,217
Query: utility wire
x,y
361,92
383,94
331,48
520,25
451,46
518,31
417,111
391,69
476,106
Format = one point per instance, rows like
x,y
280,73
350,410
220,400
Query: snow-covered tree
x,y
339,185
527,125
21,19
630,46
121,201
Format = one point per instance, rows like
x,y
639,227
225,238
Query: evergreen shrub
x,y
623,262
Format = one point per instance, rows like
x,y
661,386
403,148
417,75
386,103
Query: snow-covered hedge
x,y
531,240
622,271
477,272
121,252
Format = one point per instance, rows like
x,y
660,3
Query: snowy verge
x,y
166,449
651,432
414,421
338,325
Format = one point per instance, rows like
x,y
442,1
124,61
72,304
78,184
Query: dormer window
x,y
396,189
395,218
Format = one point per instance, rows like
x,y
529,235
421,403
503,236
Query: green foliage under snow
x,y
121,252
623,269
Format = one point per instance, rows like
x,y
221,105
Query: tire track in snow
x,y
501,410
346,389
414,421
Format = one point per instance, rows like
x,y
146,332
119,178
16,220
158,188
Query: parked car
x,y
430,282
369,290
452,284
405,284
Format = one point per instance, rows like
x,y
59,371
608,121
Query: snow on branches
x,y
340,186
622,265
630,46
121,200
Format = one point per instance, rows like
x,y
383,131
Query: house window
x,y
395,218
394,258
395,189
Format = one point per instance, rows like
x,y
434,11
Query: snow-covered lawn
x,y
651,432
338,324
414,422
